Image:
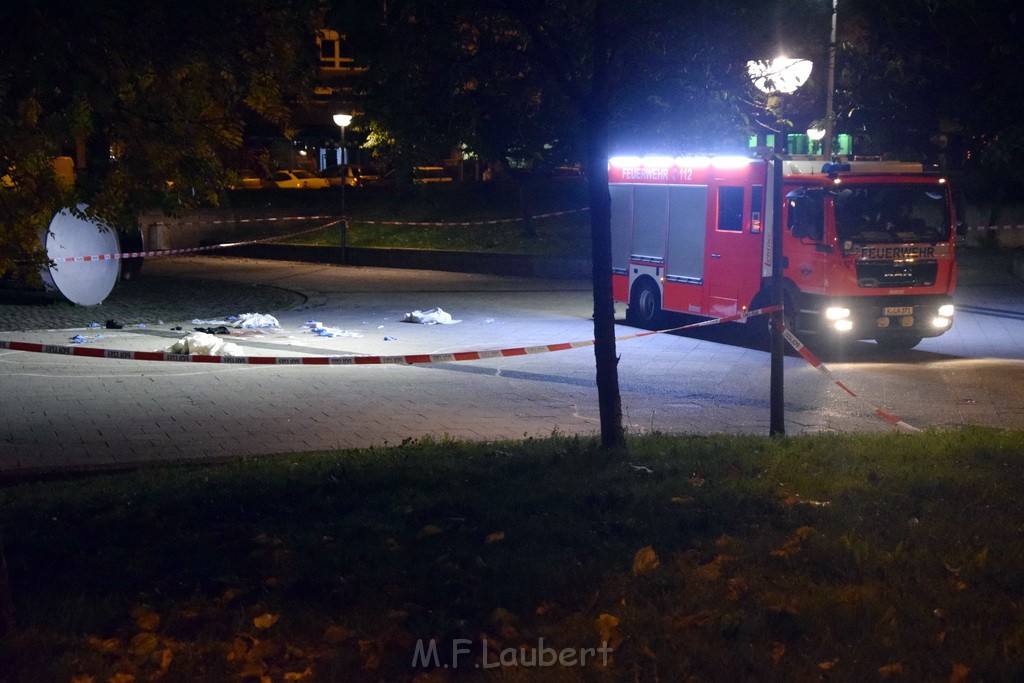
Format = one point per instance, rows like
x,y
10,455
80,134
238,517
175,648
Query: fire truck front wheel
x,y
644,305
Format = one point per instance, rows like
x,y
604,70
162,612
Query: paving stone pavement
x,y
71,413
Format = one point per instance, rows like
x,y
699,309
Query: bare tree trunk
x,y
607,361
6,602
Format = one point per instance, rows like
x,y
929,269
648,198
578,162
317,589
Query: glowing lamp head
x,y
780,75
342,119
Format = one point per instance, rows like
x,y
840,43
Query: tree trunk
x,y
607,361
6,602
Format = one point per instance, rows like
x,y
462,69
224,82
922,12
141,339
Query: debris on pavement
x,y
434,316
333,332
317,328
248,321
251,321
204,344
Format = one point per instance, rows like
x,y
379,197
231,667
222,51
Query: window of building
x,y
334,53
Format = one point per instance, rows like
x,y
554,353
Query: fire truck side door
x,y
732,265
804,220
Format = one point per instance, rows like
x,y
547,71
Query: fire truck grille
x,y
919,274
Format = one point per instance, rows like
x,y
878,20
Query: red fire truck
x,y
868,247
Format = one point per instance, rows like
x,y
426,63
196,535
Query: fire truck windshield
x,y
905,212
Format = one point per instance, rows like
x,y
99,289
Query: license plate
x,y
898,310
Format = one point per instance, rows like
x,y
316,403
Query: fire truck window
x,y
730,209
807,214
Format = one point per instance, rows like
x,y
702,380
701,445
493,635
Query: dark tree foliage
x,y
148,96
936,79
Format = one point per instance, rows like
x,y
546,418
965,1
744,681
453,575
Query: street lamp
x,y
342,120
778,76
831,88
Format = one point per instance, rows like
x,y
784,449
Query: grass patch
x,y
845,557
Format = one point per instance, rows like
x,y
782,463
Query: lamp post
x,y
778,76
342,120
831,88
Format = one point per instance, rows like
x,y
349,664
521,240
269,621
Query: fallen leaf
x,y
265,620
230,594
108,646
166,657
712,571
298,676
959,673
890,670
430,530
645,561
542,609
495,537
145,618
82,678
828,666
795,543
681,500
336,635
238,650
606,625
143,643
121,678
370,652
697,481
254,668
778,652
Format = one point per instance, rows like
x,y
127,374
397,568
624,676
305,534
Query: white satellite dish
x,y
85,283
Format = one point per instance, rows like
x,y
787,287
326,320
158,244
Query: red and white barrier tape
x,y
267,219
178,252
410,359
820,367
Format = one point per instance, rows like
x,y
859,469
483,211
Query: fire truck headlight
x,y
837,313
844,325
946,310
941,322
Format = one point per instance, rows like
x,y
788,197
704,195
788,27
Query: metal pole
x,y
777,421
830,116
343,226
